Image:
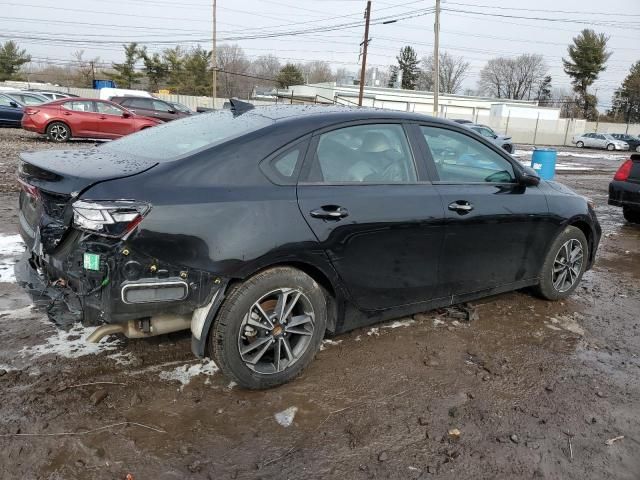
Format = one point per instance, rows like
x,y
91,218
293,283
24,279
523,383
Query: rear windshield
x,y
188,135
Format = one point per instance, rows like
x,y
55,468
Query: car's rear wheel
x,y
564,265
611,147
579,144
631,215
58,132
269,328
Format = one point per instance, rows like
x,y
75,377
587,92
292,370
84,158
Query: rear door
x,y
497,230
378,219
81,117
112,123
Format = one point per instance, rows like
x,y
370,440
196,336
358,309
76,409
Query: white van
x,y
107,93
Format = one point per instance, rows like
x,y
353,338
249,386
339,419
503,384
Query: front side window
x,y
462,159
375,153
161,106
5,101
79,106
30,99
107,109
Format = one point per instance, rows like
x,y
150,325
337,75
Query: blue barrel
x,y
543,161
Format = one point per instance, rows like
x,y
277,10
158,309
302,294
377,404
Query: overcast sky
x,y
53,30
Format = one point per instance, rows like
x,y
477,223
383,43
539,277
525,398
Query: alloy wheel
x,y
276,331
59,132
567,265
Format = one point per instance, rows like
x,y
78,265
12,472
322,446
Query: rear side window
x,y
372,153
461,159
189,135
79,106
283,169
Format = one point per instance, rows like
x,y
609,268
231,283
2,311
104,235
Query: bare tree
x,y
234,71
453,72
317,71
85,69
514,78
344,76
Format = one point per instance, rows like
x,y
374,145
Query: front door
x,y
497,229
379,222
10,111
112,122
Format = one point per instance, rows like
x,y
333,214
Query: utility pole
x,y
436,60
367,16
214,57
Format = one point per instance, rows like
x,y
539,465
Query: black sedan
x,y
624,190
263,229
633,142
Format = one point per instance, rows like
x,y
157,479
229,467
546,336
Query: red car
x,y
83,118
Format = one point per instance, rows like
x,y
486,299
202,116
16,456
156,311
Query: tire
x,y
558,289
58,132
232,337
631,215
611,147
638,149
579,144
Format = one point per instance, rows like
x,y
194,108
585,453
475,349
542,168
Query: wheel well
x,y
313,272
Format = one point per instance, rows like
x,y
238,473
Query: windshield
x,y
182,108
188,135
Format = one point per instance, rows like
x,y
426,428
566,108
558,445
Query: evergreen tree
x,y
289,75
587,57
544,91
408,63
11,59
156,70
393,76
626,99
126,75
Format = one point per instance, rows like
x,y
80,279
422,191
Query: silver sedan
x,y
493,137
600,140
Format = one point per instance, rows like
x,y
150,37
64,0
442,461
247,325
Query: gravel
x,y
14,141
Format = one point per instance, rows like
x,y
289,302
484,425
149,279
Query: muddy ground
x,y
535,389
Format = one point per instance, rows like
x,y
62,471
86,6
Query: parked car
x,y
62,120
182,108
28,98
10,111
633,142
499,140
151,107
261,229
53,95
624,190
599,140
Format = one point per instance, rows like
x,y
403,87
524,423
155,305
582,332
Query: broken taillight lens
x,y
29,189
109,218
624,171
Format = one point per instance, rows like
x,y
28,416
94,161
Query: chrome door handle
x,y
329,212
461,206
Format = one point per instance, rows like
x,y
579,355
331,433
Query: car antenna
x,y
238,107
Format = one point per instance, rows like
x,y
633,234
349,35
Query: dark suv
x,y
634,142
151,107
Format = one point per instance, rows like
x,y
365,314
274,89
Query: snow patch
x,y
600,156
329,343
374,331
71,344
400,323
11,246
185,373
285,417
437,321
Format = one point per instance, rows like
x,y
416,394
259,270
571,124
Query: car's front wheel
x,y
579,144
269,328
638,149
631,215
611,147
58,132
564,265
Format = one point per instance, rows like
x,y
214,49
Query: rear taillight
x,y
29,189
30,111
624,171
111,219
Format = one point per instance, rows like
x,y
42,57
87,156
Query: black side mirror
x,y
495,136
13,104
528,177
171,111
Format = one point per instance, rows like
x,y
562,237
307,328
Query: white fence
x,y
523,130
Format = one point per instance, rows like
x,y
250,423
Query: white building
x,y
473,108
